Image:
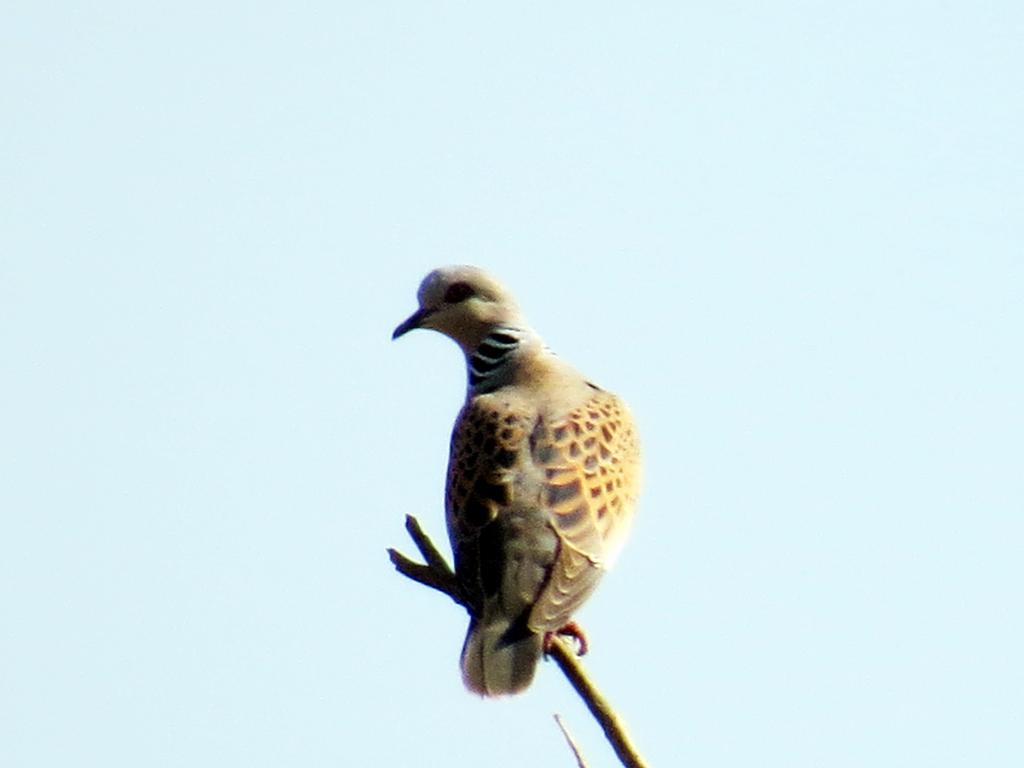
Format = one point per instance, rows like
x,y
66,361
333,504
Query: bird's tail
x,y
498,658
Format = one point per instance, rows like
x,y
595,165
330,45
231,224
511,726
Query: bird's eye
x,y
458,292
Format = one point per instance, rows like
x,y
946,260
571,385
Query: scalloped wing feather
x,y
591,465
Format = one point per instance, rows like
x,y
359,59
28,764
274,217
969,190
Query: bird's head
x,y
464,303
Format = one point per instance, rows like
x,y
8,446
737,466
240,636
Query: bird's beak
x,y
414,321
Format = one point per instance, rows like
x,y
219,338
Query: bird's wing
x,y
504,546
590,461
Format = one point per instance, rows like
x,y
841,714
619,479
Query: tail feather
x,y
496,661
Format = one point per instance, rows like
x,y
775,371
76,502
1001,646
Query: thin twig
x,y
437,574
580,762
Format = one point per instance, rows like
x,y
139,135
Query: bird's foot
x,y
573,630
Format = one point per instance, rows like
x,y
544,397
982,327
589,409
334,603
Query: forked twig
x,y
437,574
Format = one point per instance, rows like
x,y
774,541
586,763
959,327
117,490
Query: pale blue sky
x,y
791,235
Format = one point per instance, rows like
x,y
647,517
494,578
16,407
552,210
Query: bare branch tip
x,y
580,761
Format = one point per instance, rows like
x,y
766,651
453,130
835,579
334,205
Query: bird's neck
x,y
492,364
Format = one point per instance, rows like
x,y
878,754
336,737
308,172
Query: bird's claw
x,y
572,630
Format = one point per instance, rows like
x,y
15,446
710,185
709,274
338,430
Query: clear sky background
x,y
790,234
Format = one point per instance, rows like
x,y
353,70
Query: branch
x,y
614,729
437,574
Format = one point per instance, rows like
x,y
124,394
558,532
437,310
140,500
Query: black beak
x,y
414,321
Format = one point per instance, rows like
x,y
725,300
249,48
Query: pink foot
x,y
573,630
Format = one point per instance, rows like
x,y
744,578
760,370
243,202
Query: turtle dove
x,y
543,477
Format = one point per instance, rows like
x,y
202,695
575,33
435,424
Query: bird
x,y
543,478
